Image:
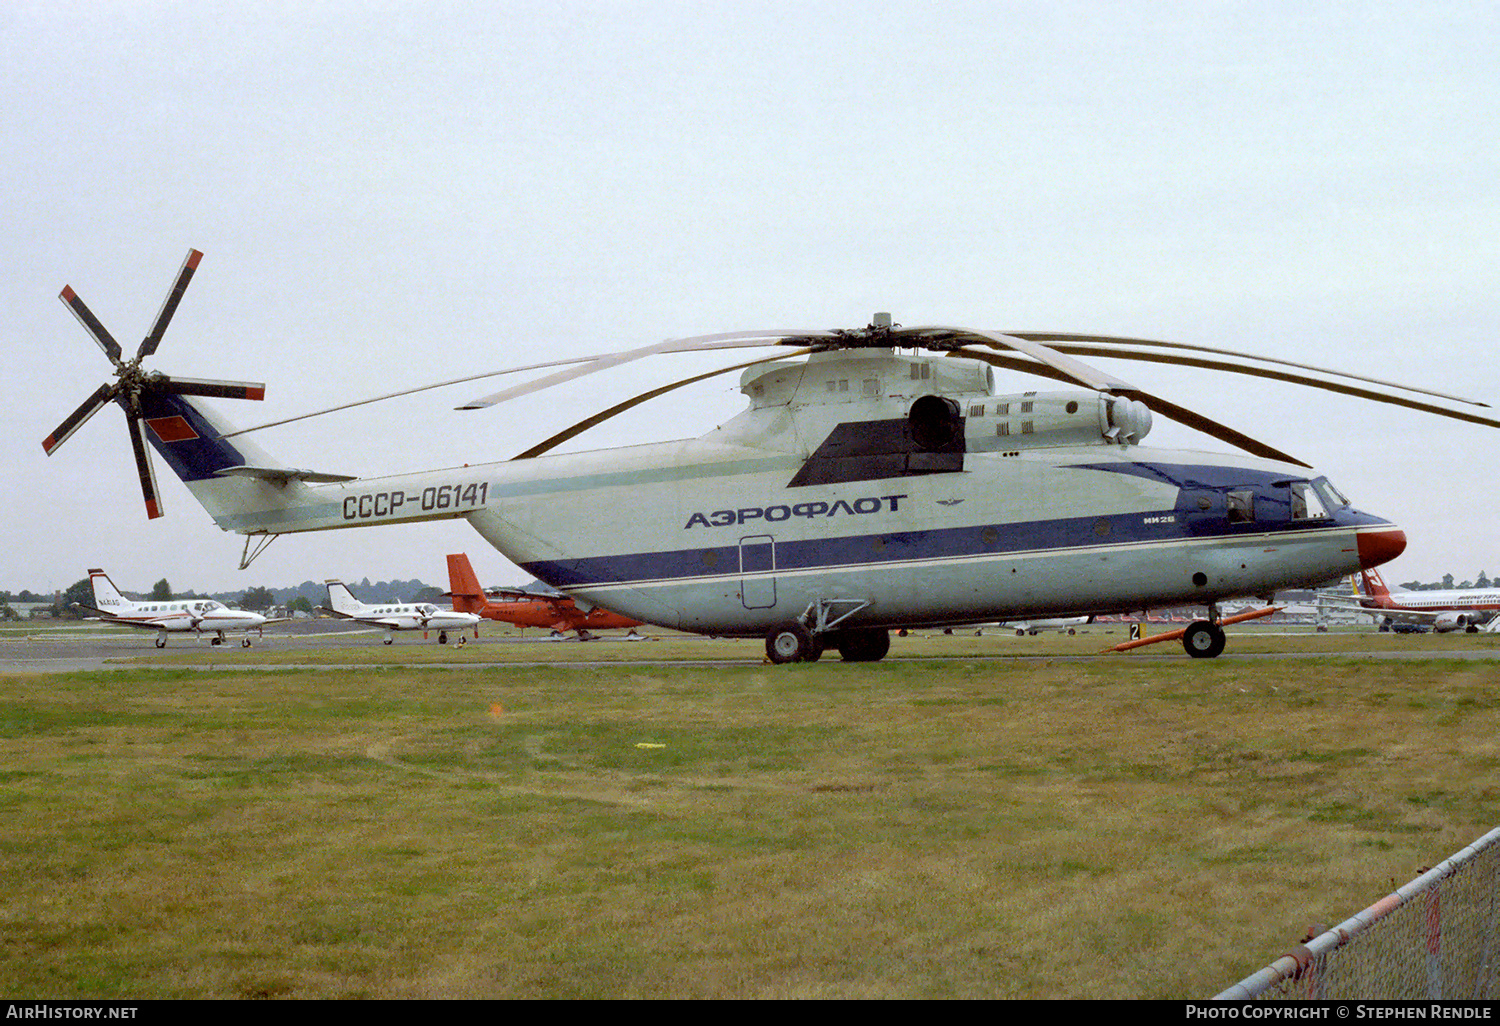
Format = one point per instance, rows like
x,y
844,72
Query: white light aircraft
x,y
880,482
1070,624
1444,610
168,616
399,616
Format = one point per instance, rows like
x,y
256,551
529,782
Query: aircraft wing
x,y
182,621
1408,615
376,621
1347,605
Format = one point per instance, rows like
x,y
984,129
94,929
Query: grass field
x,y
1107,828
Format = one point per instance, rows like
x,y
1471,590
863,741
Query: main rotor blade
x,y
406,391
75,420
1114,340
601,417
217,389
697,343
169,306
1156,404
143,464
1197,421
91,324
1075,370
683,345
1297,379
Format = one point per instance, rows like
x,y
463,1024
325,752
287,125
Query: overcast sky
x,y
390,194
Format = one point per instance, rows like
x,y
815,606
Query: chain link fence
x,y
1433,939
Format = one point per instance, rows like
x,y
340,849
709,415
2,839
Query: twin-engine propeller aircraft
x,y
1444,610
879,482
167,616
399,616
1069,624
557,613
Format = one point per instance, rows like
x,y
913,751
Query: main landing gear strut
x,y
797,642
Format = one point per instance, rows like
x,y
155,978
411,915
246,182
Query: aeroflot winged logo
x,y
810,510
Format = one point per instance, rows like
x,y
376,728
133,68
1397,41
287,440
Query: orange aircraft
x,y
557,613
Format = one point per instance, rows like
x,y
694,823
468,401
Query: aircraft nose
x,y
1382,546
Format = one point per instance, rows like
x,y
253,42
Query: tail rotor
x,y
133,383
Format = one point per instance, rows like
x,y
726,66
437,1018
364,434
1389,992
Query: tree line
x,y
1446,584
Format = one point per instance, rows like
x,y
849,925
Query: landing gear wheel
x,y
864,644
1203,640
245,643
389,640
793,643
442,637
161,642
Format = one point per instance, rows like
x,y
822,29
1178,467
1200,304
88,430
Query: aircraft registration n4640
x,y
877,479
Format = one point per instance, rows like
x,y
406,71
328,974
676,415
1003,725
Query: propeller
x,y
132,382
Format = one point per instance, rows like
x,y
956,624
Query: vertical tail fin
x,y
107,597
1374,584
341,599
468,596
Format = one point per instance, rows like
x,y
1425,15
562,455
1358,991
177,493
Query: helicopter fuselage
x,y
868,489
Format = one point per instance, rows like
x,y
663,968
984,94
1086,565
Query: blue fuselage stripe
x,y
853,551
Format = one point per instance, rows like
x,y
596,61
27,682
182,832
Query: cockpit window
x,y
1306,502
1241,507
1331,495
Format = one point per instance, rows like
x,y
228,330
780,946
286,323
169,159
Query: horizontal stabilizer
x,y
281,475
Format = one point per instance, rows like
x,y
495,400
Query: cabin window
x,y
977,410
1026,407
1241,507
1027,427
1306,503
1002,409
1003,428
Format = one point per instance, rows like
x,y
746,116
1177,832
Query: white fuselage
x,y
202,615
830,496
413,617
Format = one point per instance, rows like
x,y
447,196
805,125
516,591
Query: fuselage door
x,y
757,565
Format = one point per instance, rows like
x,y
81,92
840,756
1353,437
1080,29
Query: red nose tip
x,y
1376,547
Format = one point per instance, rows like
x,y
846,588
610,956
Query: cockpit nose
x,y
1380,546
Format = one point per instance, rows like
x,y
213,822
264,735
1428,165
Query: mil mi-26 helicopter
x,y
865,488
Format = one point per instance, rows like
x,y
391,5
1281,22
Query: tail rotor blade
x,y
92,405
216,389
91,324
143,465
169,307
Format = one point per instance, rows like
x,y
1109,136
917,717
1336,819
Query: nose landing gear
x,y
1204,639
